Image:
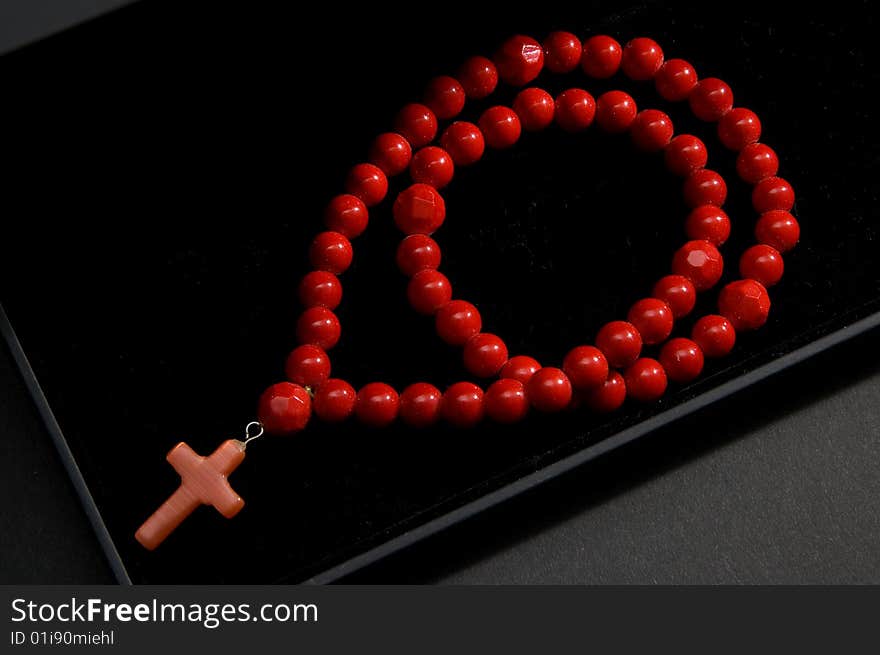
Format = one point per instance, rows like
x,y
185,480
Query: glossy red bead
x,y
755,162
535,108
500,126
391,152
745,303
642,58
586,367
653,319
485,354
506,401
675,80
678,292
711,99
284,408
320,289
704,187
334,401
463,405
779,229
419,209
608,396
432,165
307,366
319,326
464,142
615,111
377,405
682,359
418,252
458,321
739,128
347,214
620,342
332,252
772,193
368,183
521,368
645,380
700,262
651,130
420,405
762,263
562,52
445,97
685,154
428,291
519,60
478,77
549,390
708,223
575,110
714,335
601,57
417,124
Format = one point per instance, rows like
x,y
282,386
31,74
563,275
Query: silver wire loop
x,y
253,430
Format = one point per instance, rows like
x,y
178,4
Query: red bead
x,y
368,183
347,214
608,396
651,130
485,354
419,209
331,251
420,405
417,124
615,111
562,52
478,77
432,165
762,263
685,154
675,80
645,380
506,401
772,193
575,110
652,318
714,335
700,262
417,252
464,142
458,321
620,342
738,128
377,405
284,408
428,291
682,359
535,108
520,368
745,303
708,223
334,401
320,289
318,326
711,99
586,367
549,390
445,97
755,162
307,366
678,292
704,187
642,58
601,56
778,229
391,152
519,60
500,126
462,405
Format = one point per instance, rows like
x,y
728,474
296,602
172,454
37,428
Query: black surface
x,y
164,229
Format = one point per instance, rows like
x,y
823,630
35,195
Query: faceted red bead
x,y
675,80
738,128
420,405
428,291
419,209
332,252
652,318
519,60
377,405
704,187
458,321
562,52
445,97
501,127
685,154
319,326
549,390
485,354
506,401
745,303
368,183
417,124
347,214
615,111
772,193
755,162
620,342
778,229
645,380
762,263
432,165
608,396
334,401
708,223
678,292
320,289
711,99
700,262
575,110
586,367
307,366
601,56
417,252
462,405
535,108
714,335
520,368
642,58
478,77
391,152
682,359
651,130
464,142
284,408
